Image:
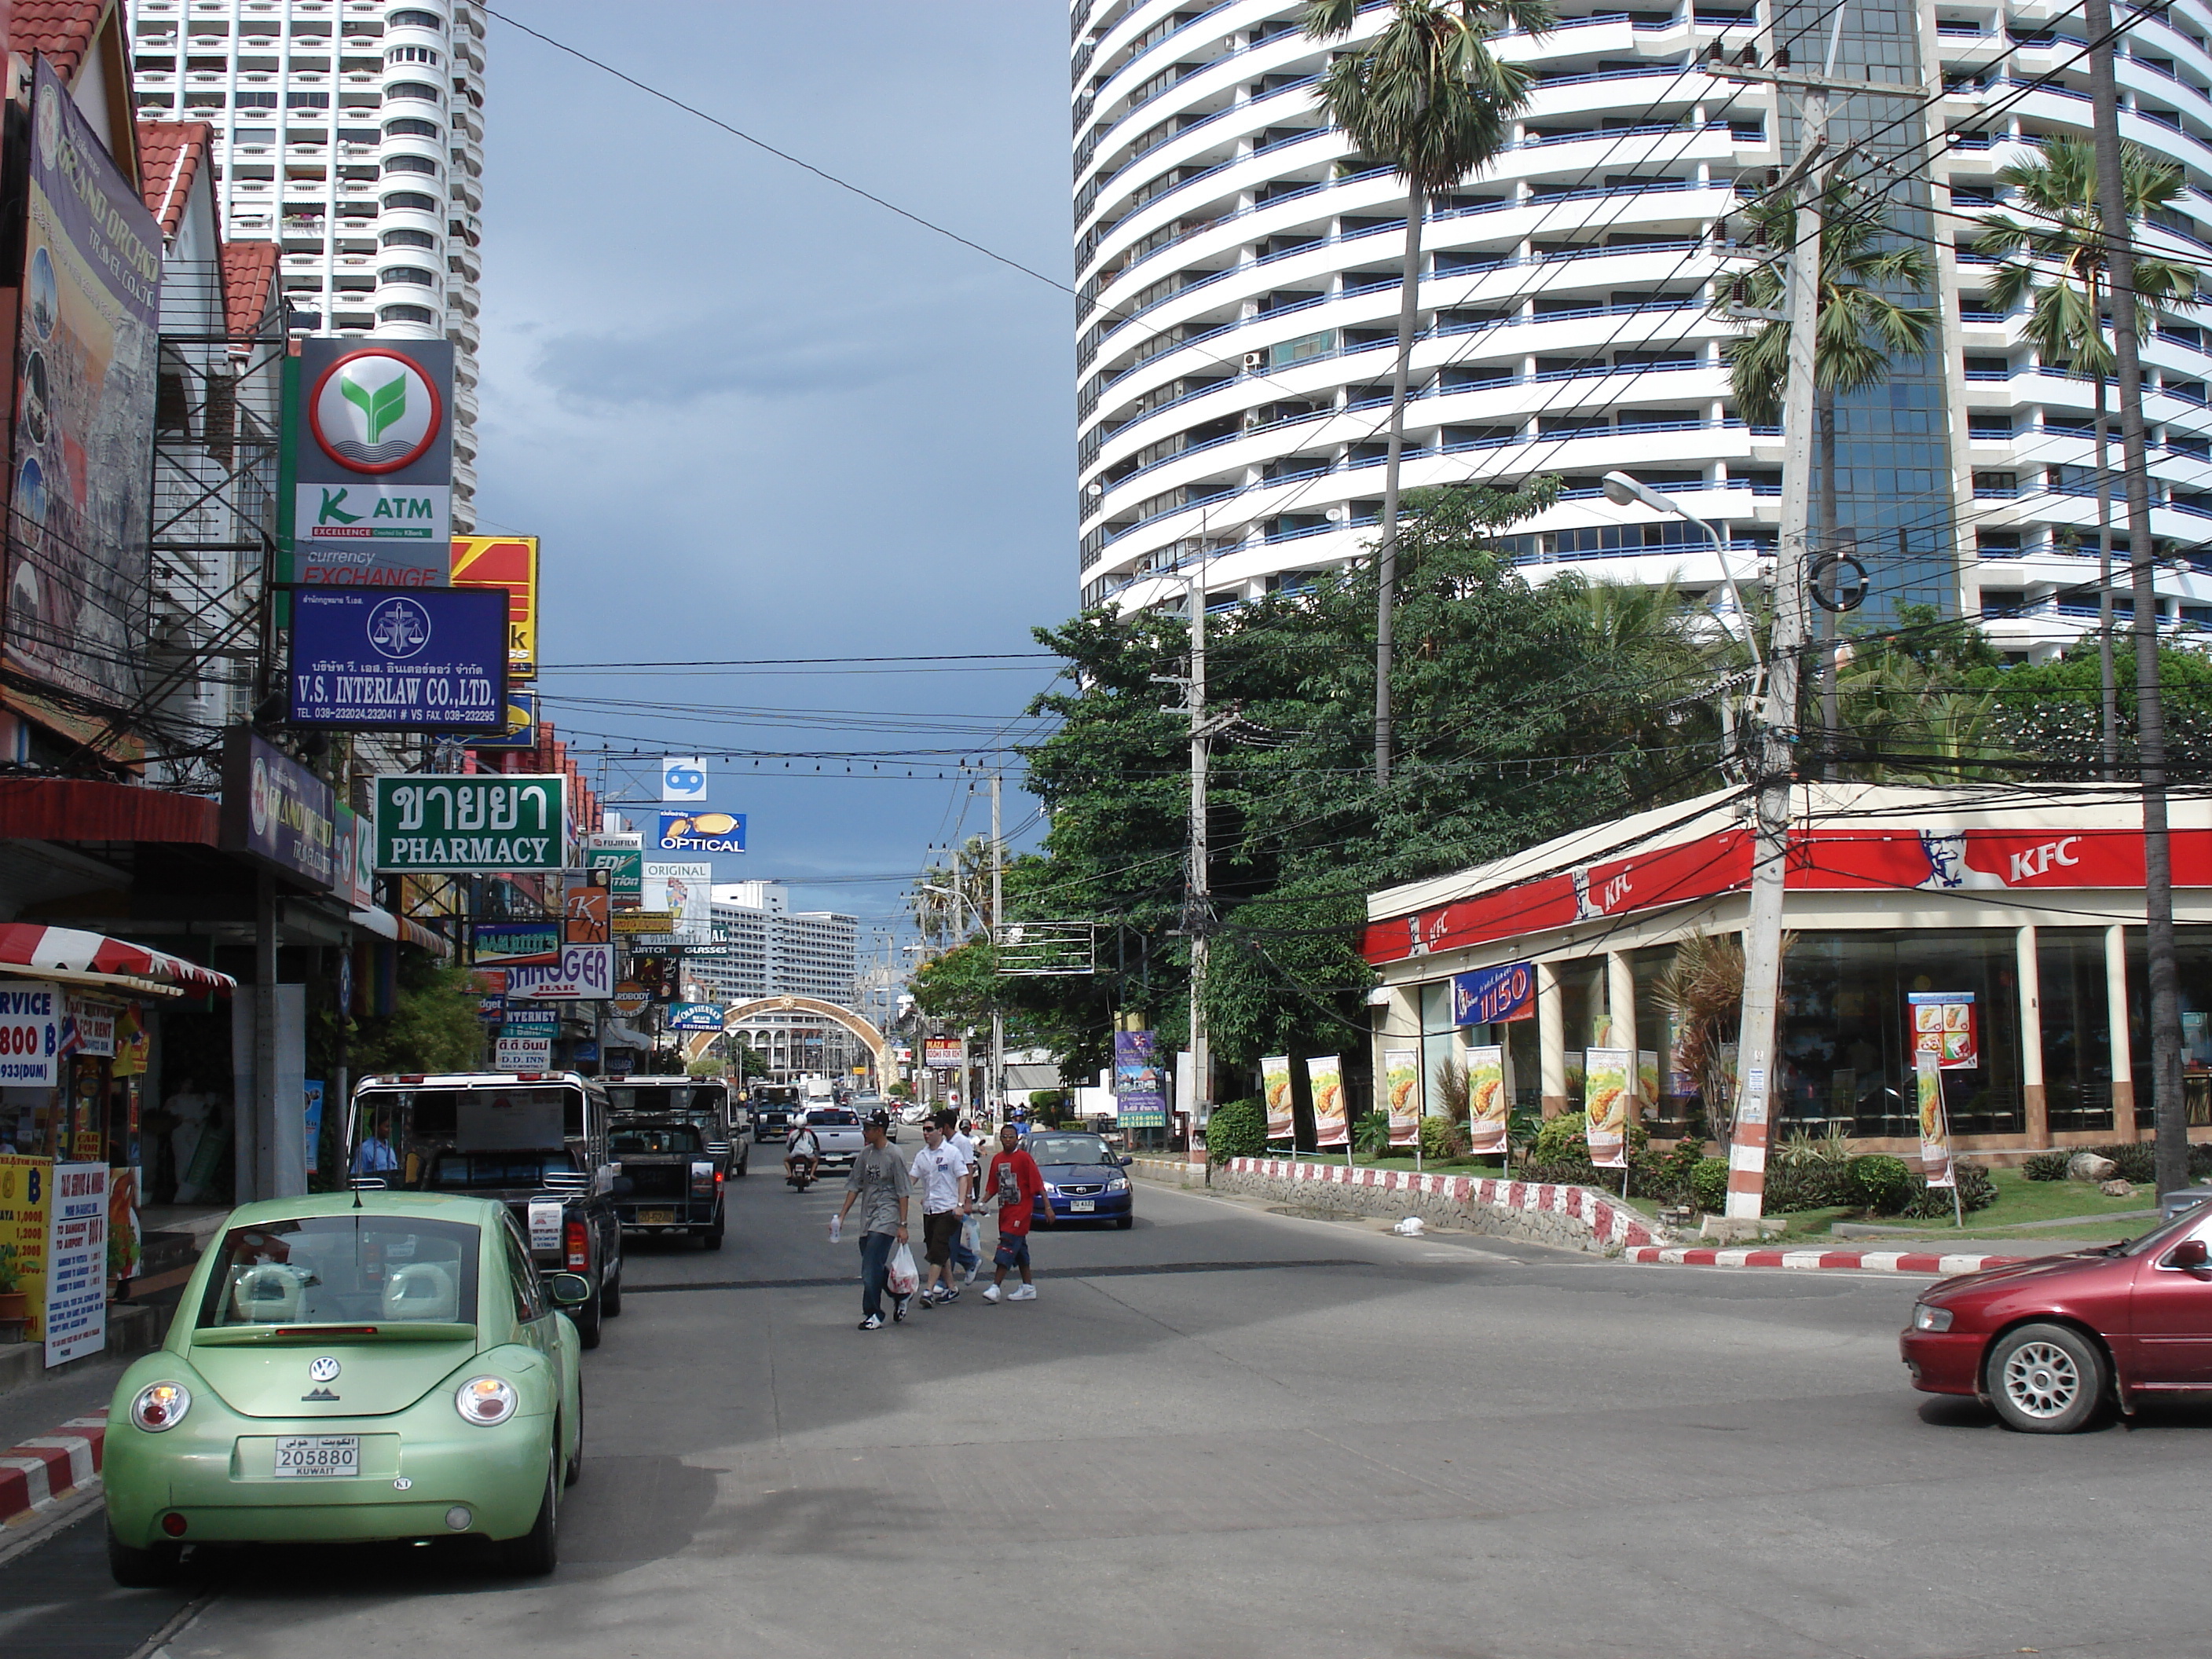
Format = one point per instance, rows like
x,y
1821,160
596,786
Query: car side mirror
x,y
568,1289
1125,1160
2190,1253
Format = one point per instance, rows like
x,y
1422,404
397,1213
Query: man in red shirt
x,y
1013,1178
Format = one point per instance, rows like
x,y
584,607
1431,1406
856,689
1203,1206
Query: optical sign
x,y
702,832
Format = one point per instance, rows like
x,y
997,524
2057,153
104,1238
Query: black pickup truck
x,y
537,1142
706,1104
665,1179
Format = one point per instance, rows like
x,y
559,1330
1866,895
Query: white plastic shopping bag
x,y
904,1277
971,1233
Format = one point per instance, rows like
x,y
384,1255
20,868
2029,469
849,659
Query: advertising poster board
x,y
1935,1168
1489,1100
1647,1078
509,564
587,915
373,463
684,778
1275,1089
586,973
1607,1082
1139,1102
644,924
623,857
694,1017
941,1054
689,891
27,1190
701,831
1944,1024
30,1034
434,660
491,824
87,363
520,730
76,1263
1325,1076
1489,995
1402,1069
526,1049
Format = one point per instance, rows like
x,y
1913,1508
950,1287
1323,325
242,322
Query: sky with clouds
x,y
753,416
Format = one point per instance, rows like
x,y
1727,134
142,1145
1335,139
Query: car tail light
x,y
579,1248
161,1406
173,1524
485,1399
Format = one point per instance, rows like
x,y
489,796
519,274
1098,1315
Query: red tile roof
x,y
170,154
62,29
249,273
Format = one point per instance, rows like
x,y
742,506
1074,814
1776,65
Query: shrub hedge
x,y
1976,1191
1238,1129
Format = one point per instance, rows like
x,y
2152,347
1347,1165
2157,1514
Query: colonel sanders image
x,y
1946,862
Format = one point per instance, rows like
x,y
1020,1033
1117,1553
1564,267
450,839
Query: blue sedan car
x,y
1085,1180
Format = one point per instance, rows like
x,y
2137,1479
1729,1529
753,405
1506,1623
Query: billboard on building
x,y
428,661
509,564
87,363
701,832
278,811
373,463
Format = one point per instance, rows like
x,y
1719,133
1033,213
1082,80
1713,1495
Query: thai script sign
x,y
435,661
371,500
1139,1102
483,825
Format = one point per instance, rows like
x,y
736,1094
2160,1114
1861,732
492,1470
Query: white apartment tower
x,y
1238,270
351,132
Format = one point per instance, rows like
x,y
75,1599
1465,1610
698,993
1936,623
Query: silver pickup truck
x,y
838,1130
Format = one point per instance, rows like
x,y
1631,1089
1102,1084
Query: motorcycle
x,y
800,1174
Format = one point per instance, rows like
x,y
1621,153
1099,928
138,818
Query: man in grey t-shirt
x,y
878,1182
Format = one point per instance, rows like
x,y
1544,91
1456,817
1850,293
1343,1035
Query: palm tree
x,y
2066,308
1426,95
1859,328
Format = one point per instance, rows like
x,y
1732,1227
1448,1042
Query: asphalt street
x,y
1232,1432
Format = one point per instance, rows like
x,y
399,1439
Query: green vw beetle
x,y
349,1368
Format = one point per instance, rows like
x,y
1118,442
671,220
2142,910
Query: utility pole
x,y
1198,908
997,1084
2172,1162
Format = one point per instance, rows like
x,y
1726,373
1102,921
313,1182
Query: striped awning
x,y
29,948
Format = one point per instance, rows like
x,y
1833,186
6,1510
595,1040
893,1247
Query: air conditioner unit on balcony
x,y
1255,361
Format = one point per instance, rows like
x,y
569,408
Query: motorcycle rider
x,y
802,1150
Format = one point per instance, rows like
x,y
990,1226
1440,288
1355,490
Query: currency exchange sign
x,y
484,824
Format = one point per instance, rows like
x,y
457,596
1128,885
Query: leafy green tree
x,y
1427,96
433,1025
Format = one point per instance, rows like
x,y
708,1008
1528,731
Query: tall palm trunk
x,y
1831,544
1386,561
2108,687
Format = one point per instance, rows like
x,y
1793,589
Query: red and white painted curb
x,y
39,1472
1609,1222
1872,1262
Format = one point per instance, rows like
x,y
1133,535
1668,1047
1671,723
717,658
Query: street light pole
x,y
997,1084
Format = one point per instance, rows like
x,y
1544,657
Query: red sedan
x,y
2049,1343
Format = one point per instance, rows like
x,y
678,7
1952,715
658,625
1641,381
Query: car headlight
x,y
1051,1191
1118,1184
1926,1318
161,1406
485,1401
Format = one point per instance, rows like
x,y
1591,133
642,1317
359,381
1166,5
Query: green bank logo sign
x,y
374,411
471,825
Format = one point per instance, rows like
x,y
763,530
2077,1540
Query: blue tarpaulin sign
x,y
431,660
1491,995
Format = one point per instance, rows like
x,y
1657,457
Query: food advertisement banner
x,y
1944,1025
1275,1085
76,1263
1935,1123
1608,1080
489,824
1139,1101
373,463
1491,995
1401,1071
431,661
509,564
1489,1100
1325,1076
87,363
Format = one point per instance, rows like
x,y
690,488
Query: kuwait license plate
x,y
656,1217
314,1457
1080,1204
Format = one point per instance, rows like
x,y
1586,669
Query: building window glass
x,y
1582,1016
2077,1030
407,314
2192,953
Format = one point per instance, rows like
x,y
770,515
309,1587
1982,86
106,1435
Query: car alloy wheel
x,y
2047,1379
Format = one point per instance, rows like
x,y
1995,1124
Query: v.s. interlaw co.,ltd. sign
x,y
487,824
372,466
430,660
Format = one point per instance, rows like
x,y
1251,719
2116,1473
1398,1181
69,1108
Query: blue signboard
x,y
1490,995
694,1017
1139,1102
431,659
702,832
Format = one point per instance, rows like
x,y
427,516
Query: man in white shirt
x,y
940,1176
967,1255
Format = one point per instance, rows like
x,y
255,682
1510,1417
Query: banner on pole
x,y
1608,1080
1489,1101
1403,1069
1275,1083
1936,1165
1325,1076
1944,1025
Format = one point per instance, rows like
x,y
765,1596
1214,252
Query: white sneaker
x,y
1021,1293
991,1293
973,1270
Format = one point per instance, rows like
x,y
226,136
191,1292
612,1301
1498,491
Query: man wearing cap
x,y
1017,1183
878,1181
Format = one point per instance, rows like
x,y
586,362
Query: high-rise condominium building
x,y
351,132
1239,273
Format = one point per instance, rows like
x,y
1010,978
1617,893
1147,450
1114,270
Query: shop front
x,y
2002,931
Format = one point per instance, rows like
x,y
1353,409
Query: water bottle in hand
x,y
836,1228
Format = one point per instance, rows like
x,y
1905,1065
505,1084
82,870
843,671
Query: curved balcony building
x,y
1239,269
